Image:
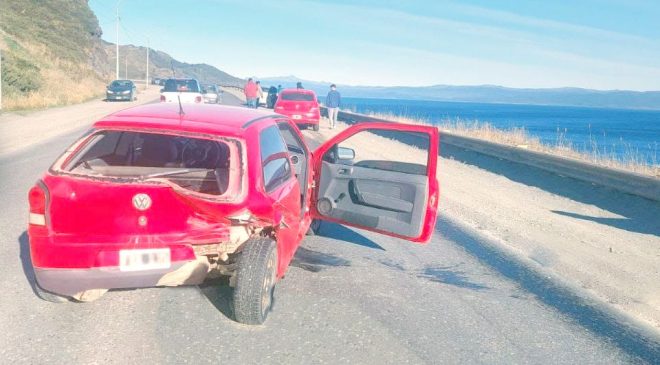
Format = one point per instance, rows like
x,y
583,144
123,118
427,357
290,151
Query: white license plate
x,y
147,259
296,116
117,97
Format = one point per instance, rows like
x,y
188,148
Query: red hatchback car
x,y
301,106
151,197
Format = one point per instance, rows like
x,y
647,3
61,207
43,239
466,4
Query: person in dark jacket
x,y
299,85
332,102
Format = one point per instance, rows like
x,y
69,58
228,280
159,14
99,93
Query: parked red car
x,y
151,197
301,105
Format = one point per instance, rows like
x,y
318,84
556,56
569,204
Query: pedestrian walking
x,y
250,90
260,94
332,102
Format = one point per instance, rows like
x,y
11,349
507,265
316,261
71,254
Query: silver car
x,y
212,94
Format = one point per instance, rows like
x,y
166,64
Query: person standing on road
x,y
260,94
299,85
250,90
332,102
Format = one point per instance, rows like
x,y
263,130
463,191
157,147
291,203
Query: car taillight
x,y
37,199
162,98
198,99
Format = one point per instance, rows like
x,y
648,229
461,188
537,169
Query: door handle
x,y
345,171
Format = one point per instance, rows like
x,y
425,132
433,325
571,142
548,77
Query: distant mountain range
x,y
487,94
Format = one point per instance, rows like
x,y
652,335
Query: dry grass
x,y
631,160
62,82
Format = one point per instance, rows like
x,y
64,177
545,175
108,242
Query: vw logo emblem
x,y
141,201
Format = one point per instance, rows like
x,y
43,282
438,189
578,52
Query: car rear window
x,y
173,85
207,166
297,96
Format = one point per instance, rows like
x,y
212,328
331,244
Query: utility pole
x,y
146,81
117,43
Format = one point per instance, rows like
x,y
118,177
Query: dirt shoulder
x,y
19,130
604,242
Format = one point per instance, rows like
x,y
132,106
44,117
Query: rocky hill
x,y
53,54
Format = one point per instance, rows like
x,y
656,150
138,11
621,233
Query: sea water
x,y
623,134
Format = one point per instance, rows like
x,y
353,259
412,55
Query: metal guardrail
x,y
628,182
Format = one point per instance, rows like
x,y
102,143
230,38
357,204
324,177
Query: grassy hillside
x,y
46,47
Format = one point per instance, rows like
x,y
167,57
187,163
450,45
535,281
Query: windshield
x,y
200,165
298,96
121,83
173,85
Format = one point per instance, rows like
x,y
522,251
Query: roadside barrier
x,y
628,182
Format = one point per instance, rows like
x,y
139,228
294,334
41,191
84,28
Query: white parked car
x,y
188,90
212,94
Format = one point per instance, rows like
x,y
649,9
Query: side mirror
x,y
345,153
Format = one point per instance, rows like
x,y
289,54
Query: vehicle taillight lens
x,y
37,199
198,99
162,98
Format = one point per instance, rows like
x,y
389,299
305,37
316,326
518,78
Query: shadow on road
x,y
448,275
621,223
345,235
26,261
315,261
220,294
594,317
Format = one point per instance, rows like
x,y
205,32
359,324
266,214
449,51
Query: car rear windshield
x,y
207,166
173,85
297,96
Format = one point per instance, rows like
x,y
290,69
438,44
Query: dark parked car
x,y
121,90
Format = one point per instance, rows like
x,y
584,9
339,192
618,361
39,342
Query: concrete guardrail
x,y
628,182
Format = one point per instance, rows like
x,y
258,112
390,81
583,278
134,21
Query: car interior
x,y
199,165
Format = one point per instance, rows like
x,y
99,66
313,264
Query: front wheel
x,y
255,281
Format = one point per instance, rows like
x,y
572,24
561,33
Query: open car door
x,y
380,177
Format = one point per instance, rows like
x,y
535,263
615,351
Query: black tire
x,y
315,127
255,281
48,296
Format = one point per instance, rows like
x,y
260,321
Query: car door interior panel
x,y
386,200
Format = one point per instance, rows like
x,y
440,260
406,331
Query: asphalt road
x,y
350,297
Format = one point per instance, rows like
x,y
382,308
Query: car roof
x,y
201,118
299,91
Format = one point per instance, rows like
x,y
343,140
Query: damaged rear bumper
x,y
72,282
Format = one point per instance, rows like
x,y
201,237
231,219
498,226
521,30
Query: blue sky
x,y
606,44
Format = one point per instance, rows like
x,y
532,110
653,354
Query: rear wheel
x,y
315,127
255,281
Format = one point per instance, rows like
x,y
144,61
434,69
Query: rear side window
x,y
207,166
297,96
274,158
173,85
